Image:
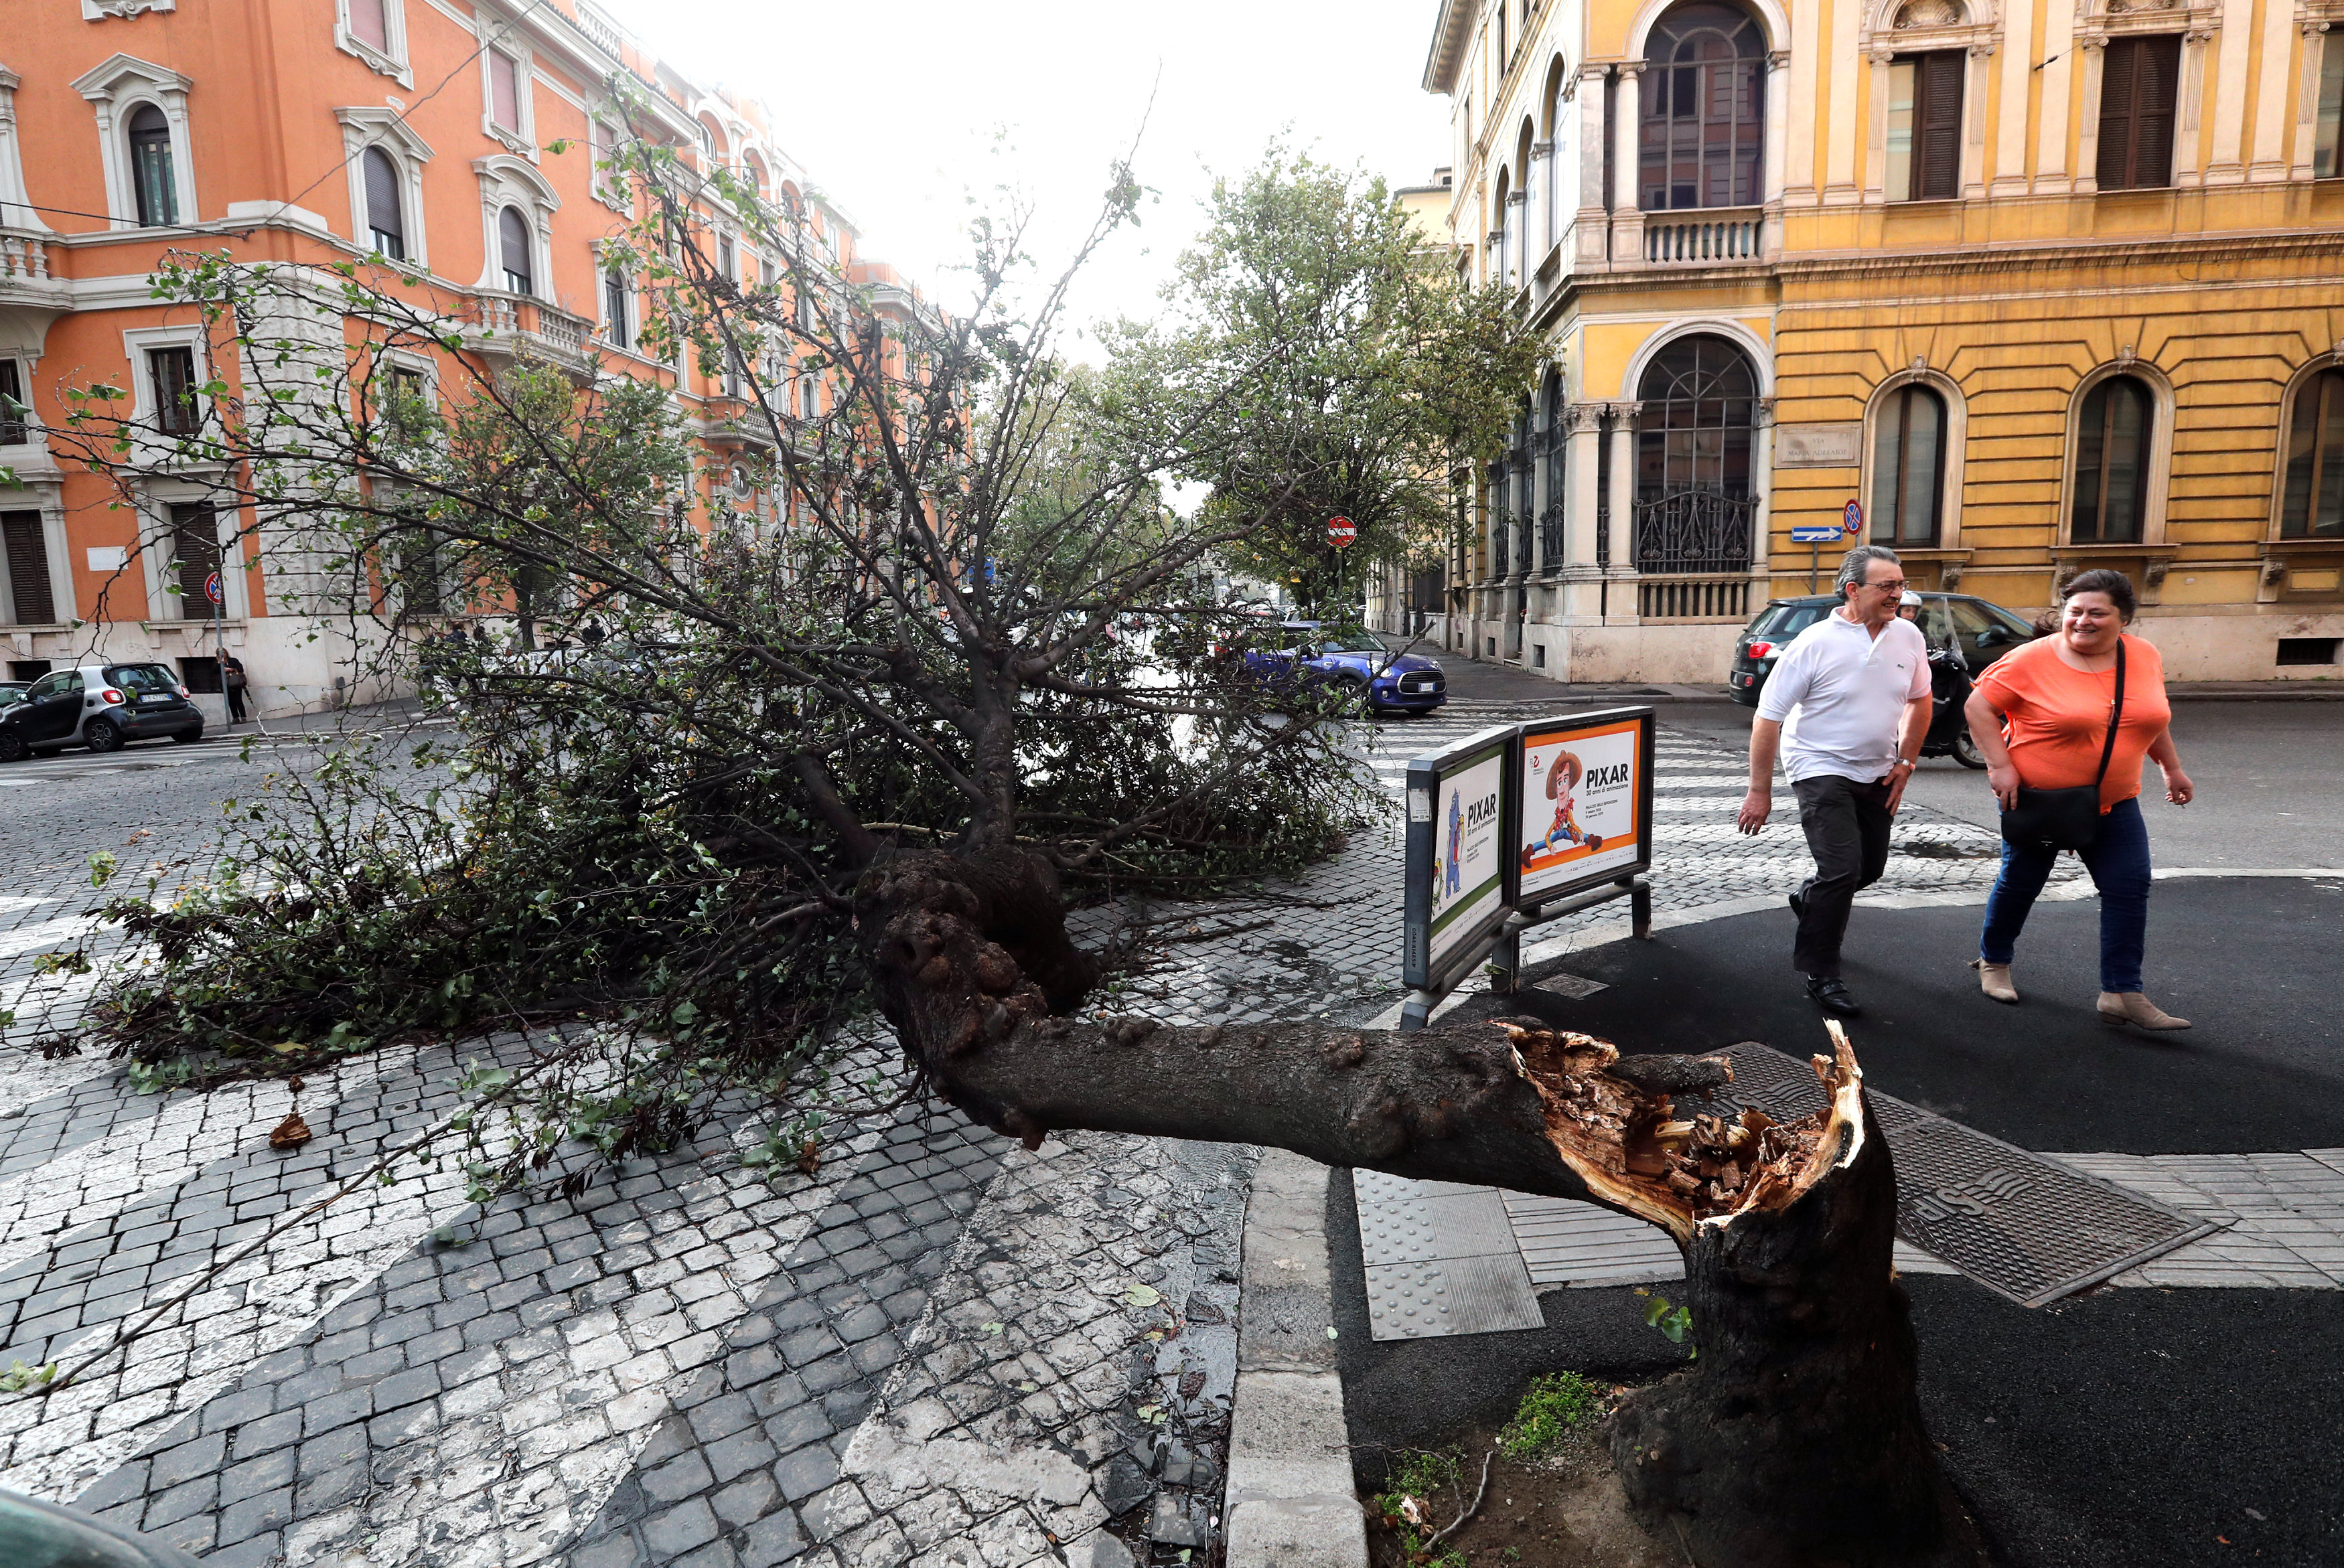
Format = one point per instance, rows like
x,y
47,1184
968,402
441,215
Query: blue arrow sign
x,y
1821,534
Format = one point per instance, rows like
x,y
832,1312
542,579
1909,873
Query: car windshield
x,y
145,678
1351,641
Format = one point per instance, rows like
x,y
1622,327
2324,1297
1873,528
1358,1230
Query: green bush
x,y
1558,1404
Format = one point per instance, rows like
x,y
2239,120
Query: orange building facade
x,y
458,139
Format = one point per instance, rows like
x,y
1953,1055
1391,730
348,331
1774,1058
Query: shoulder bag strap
x,y
2116,717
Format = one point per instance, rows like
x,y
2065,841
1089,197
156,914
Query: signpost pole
x,y
1814,562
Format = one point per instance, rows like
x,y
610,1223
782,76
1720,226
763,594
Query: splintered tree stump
x,y
1793,1440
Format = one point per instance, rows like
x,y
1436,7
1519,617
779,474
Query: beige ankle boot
x,y
2131,1007
1995,980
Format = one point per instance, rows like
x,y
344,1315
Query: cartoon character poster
x,y
1581,794
1467,886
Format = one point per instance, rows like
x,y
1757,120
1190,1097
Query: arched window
x,y
1908,466
512,242
386,214
2112,442
1693,439
2313,503
1701,142
1501,217
151,176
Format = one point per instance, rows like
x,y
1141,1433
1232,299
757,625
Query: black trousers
x,y
235,704
1846,824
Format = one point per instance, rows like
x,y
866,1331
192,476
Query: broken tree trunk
x,y
1795,1439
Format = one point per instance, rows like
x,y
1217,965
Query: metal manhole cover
x,y
2027,1228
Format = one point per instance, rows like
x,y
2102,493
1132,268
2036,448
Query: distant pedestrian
x,y
232,685
2072,714
1859,679
592,634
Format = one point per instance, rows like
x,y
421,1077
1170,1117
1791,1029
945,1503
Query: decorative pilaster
x,y
1627,216
1594,243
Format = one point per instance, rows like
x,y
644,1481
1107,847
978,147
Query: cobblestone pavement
x,y
938,1348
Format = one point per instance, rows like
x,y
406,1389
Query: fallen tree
x,y
864,741
1795,1438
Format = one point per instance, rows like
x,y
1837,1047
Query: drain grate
x,y
2027,1228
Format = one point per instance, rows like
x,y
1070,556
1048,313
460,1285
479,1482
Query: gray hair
x,y
1856,562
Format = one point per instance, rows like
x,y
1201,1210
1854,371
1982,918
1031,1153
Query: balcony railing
x,y
1693,598
1711,237
510,325
1694,531
24,257
1500,533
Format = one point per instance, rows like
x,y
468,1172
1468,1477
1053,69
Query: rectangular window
x,y
2331,109
505,90
369,27
614,309
195,556
14,429
173,371
33,603
1925,126
728,264
2138,74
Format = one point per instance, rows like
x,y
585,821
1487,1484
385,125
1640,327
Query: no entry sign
x,y
1340,532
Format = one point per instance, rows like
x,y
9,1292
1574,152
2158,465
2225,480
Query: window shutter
x,y
366,24
1939,132
2156,76
28,568
2115,170
195,556
512,234
505,90
384,214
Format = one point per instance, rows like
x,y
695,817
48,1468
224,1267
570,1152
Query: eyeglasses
x,y
1895,587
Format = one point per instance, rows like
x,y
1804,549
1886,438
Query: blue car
x,y
1356,662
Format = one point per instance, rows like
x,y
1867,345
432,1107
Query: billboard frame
x,y
1495,937
1426,774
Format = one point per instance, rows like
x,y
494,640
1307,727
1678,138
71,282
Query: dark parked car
x,y
101,706
1981,632
1356,662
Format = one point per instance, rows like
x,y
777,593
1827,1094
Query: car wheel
x,y
189,736
12,748
100,735
1965,749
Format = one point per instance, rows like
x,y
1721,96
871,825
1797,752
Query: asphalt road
x,y
2269,779
2120,1426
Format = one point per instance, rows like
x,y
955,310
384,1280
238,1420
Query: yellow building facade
x,y
2027,286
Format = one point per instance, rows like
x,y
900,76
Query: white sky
x,y
893,108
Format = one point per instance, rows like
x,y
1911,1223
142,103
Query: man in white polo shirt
x,y
1859,679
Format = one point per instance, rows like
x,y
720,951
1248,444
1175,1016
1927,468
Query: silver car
x,y
101,706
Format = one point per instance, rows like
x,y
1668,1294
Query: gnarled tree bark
x,y
1795,1438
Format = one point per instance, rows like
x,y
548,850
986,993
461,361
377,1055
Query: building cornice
x,y
1452,32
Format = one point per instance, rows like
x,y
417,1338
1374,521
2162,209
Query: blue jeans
x,y
2118,863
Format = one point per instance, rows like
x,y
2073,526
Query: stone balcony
x,y
503,327
24,279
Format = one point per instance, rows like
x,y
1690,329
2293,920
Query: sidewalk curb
x,y
1291,1501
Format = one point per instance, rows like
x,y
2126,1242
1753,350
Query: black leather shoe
x,y
1798,906
1831,994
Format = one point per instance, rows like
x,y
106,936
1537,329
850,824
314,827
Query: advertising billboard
x,y
1458,834
1585,786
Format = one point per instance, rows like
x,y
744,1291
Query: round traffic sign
x,y
1854,518
1340,532
212,589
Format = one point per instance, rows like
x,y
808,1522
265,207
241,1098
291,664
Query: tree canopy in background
x,y
1366,372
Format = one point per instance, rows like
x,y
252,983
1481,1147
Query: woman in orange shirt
x,y
2040,714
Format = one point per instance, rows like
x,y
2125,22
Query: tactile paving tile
x,y
2028,1228
1564,1243
1451,1296
1418,1230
